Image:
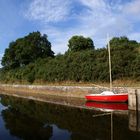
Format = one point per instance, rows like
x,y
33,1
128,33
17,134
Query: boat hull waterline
x,y
112,106
107,98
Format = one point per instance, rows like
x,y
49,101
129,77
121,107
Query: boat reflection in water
x,y
107,107
110,106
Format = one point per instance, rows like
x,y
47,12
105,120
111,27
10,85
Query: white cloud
x,y
98,18
105,19
48,10
57,38
98,4
135,36
132,9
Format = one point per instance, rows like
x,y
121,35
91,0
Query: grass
x,y
116,83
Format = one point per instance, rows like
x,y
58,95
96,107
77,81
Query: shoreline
x,y
67,91
70,98
52,90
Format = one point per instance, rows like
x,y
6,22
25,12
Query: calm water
x,y
23,119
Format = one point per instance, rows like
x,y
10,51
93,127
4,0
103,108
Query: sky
x,y
62,19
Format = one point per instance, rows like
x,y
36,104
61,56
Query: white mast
x,y
110,75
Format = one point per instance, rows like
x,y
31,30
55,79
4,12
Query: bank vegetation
x,y
31,59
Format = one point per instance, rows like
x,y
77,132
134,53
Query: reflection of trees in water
x,y
26,117
72,119
25,127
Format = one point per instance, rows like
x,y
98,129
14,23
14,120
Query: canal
x,y
27,119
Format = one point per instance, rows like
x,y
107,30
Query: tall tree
x,y
78,43
124,52
26,50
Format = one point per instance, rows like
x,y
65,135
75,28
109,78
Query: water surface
x,y
23,119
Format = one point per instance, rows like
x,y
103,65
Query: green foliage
x,y
123,52
78,43
83,64
26,50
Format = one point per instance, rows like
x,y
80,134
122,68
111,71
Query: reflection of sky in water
x,y
2,107
4,133
60,134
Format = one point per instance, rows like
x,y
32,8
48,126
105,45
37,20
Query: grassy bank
x,y
116,83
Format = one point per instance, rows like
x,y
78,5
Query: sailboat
x,y
108,96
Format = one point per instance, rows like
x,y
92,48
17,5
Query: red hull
x,y
112,106
107,98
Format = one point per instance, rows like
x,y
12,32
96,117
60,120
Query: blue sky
x,y
61,19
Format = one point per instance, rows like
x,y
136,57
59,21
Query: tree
x,y
78,43
9,58
26,50
78,64
123,43
124,52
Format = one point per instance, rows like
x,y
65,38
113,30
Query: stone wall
x,y
89,89
134,99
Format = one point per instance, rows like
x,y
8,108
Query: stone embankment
x,y
61,93
72,91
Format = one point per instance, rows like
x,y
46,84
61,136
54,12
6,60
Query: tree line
x,y
31,59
